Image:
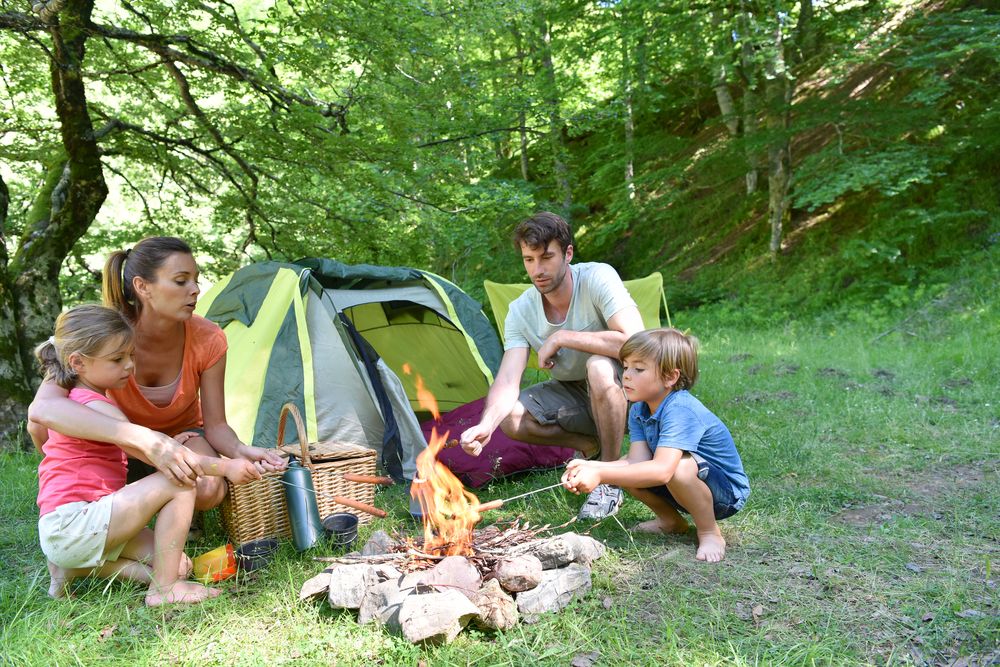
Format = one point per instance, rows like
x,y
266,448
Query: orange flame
x,y
449,510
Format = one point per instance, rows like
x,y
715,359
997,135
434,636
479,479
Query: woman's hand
x,y
180,465
266,460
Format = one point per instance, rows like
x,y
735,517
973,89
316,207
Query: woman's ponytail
x,y
115,290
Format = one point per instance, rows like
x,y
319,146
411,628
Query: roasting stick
x,y
364,507
497,504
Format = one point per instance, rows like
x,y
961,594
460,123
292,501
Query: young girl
x,y
90,522
682,458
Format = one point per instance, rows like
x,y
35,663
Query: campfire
x,y
429,588
449,511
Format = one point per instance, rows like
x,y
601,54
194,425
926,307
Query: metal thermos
x,y
303,513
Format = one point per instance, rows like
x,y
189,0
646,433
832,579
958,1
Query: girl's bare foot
x,y
180,592
711,547
661,527
185,567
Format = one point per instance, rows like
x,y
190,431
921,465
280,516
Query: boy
x,y
682,458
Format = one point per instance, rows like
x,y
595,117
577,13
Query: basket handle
x,y
299,426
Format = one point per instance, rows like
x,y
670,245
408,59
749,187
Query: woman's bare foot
x,y
60,578
180,592
661,527
185,567
711,547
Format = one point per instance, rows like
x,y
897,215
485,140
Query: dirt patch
x,y
883,374
786,369
928,486
944,479
876,515
764,397
756,368
832,373
743,356
958,382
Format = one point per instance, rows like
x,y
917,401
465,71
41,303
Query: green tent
x,y
346,345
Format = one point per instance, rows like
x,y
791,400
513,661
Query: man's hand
x,y
581,476
548,351
266,460
475,438
178,463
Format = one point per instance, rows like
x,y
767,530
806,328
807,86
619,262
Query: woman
x,y
177,391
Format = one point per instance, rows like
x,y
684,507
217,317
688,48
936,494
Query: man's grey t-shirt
x,y
598,294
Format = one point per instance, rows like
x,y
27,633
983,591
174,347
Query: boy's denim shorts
x,y
723,498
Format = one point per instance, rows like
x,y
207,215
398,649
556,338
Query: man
x,y
576,319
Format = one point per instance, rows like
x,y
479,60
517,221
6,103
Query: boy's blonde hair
x,y
84,330
666,349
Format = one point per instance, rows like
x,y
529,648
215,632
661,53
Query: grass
x,y
870,537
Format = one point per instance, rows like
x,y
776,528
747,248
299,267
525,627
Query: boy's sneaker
x,y
602,502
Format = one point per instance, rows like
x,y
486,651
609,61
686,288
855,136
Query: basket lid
x,y
329,450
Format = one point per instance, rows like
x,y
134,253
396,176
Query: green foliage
x,y
826,176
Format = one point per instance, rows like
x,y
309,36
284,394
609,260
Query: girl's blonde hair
x,y
667,349
84,330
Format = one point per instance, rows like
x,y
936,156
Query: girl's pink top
x,y
75,469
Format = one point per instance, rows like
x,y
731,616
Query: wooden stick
x,y
367,479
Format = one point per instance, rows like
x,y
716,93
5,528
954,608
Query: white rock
x,y
556,590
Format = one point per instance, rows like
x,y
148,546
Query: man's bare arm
x,y
621,327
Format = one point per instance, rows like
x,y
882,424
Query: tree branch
x,y
201,58
480,134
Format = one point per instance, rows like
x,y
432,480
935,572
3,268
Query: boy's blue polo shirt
x,y
683,422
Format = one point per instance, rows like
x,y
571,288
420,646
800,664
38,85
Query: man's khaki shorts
x,y
75,535
566,404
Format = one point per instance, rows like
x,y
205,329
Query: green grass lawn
x,y
871,535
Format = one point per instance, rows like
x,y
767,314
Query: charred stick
x,y
340,500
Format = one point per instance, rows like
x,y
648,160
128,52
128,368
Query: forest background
x,y
788,155
817,181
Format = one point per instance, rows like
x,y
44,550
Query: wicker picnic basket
x,y
258,509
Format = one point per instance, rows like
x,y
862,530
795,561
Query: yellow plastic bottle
x,y
215,565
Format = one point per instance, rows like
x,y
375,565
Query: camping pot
x,y
341,529
303,514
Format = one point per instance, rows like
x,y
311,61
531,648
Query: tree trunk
x,y
63,210
751,101
557,128
778,93
521,115
629,113
15,392
720,80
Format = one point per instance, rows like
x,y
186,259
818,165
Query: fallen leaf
x,y
607,603
757,611
585,659
970,613
106,632
913,567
